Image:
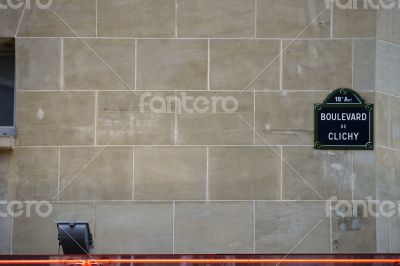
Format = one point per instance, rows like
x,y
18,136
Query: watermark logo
x,y
27,4
362,208
25,209
364,4
184,103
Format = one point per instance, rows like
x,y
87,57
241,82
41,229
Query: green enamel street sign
x,y
344,122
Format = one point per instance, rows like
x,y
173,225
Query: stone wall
x,y
193,182
388,125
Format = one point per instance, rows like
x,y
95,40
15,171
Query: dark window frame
x,y
7,47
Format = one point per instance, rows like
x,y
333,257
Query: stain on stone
x,y
3,188
352,222
40,113
337,166
336,244
356,223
